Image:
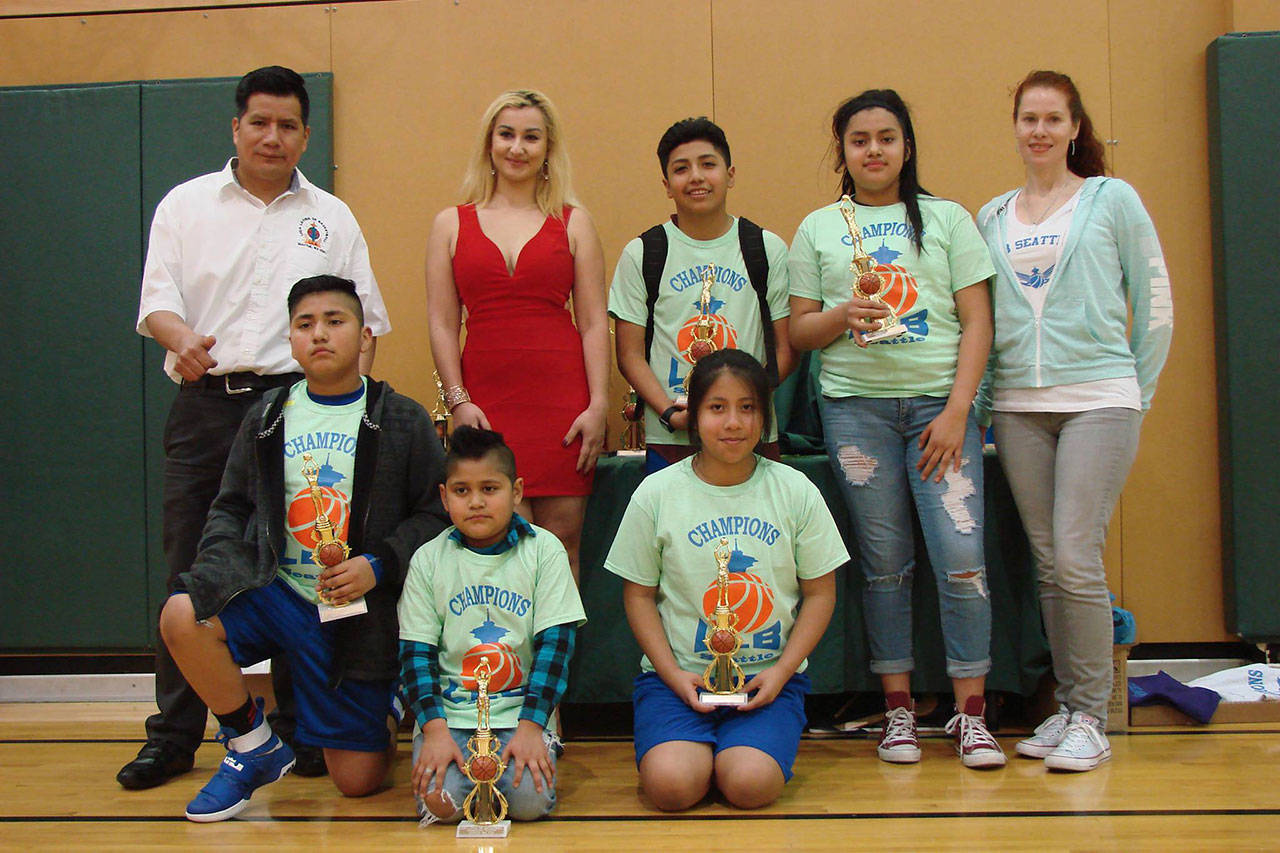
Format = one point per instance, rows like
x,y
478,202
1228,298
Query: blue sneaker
x,y
238,776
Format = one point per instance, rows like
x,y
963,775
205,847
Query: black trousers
x,y
198,434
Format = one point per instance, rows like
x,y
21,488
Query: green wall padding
x,y
84,397
1244,126
73,505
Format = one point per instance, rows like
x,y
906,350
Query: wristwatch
x,y
665,418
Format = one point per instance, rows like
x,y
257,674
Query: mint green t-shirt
x,y
329,434
733,301
779,530
471,606
923,360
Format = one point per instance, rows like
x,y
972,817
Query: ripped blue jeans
x,y
872,444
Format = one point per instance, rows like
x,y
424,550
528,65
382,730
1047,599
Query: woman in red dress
x,y
510,259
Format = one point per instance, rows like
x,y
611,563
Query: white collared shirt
x,y
224,262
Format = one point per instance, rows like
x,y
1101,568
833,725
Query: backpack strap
x,y
651,264
751,240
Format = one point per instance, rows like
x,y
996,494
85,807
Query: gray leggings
x,y
1066,471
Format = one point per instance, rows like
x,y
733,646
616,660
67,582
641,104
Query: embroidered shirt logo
x,y
313,233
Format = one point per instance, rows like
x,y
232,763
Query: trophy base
x,y
328,612
884,334
467,829
722,698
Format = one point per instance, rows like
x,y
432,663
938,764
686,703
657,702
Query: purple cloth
x,y
1198,703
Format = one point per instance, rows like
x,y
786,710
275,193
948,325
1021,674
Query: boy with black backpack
x,y
662,322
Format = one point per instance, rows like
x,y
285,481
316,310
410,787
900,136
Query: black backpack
x,y
751,241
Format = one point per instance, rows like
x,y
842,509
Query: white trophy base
x,y
722,698
884,334
328,613
467,829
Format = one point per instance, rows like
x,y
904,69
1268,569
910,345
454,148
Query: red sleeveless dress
x,y
522,361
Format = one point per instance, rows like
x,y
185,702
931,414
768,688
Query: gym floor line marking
x,y
624,739
668,817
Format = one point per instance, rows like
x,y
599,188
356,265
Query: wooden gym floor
x,y
1210,788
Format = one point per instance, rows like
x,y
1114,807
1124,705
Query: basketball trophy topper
x,y
723,678
702,345
485,807
440,413
867,283
329,550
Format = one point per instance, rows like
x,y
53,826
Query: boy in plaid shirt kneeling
x,y
492,586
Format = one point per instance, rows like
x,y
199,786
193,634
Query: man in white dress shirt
x,y
225,249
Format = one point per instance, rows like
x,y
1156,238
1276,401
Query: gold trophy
x,y
485,807
633,422
723,678
440,413
329,550
702,345
867,283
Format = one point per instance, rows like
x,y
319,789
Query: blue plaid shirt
x,y
548,676
552,651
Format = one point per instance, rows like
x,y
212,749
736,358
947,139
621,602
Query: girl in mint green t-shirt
x,y
896,414
784,551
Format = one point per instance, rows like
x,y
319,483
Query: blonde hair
x,y
553,193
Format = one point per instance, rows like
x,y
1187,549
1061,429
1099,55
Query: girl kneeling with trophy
x,y
728,562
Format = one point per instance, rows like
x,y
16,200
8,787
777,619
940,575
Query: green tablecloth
x,y
608,658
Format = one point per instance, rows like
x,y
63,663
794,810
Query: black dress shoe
x,y
158,761
308,761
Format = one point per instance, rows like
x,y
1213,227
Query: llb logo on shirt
x,y
901,296
504,663
301,519
505,673
751,600
314,234
724,335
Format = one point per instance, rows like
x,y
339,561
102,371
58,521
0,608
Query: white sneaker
x,y
1083,746
974,743
898,743
1047,735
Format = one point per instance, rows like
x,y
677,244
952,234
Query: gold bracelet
x,y
455,396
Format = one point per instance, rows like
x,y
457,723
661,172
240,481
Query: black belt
x,y
241,382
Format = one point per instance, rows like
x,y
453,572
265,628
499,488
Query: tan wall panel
x,y
1169,511
216,43
1251,16
19,8
413,79
956,72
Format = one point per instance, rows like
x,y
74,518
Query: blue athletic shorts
x,y
661,716
273,620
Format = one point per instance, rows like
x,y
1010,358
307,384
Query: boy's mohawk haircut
x,y
468,442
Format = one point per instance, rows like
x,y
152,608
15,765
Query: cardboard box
x,y
1228,713
1118,707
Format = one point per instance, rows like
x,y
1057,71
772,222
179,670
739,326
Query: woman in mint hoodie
x,y
1075,252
